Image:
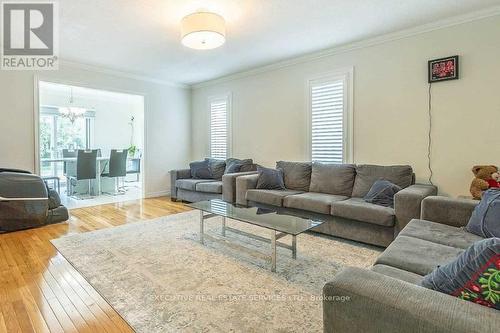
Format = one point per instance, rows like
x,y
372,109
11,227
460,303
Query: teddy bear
x,y
485,177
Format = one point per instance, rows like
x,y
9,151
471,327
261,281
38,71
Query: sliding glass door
x,y
58,133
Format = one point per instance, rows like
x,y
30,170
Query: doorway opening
x,y
90,144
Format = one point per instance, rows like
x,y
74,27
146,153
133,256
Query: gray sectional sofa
x,y
388,298
186,188
336,193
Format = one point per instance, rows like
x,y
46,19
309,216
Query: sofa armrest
x,y
360,300
229,185
174,175
408,202
243,184
450,211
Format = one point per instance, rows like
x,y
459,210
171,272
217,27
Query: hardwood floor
x,y
41,292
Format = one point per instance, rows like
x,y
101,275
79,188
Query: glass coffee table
x,y
279,221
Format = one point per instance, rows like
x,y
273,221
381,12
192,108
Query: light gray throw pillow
x,y
297,175
366,175
330,178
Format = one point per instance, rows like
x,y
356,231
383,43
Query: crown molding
x,y
122,74
406,33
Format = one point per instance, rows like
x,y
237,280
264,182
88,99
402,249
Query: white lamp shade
x,y
203,31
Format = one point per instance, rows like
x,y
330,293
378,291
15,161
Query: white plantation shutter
x,y
219,128
327,120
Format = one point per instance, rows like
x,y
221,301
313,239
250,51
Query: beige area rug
x,y
161,279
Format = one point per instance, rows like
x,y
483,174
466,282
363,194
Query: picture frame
x,y
443,69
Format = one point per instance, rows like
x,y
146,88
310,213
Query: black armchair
x,y
26,202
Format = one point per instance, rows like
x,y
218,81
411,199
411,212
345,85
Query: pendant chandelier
x,y
71,111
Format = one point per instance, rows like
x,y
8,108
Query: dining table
x,y
102,165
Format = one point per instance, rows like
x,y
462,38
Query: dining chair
x,y
67,153
117,168
86,169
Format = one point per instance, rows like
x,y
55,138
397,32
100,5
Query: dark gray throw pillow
x,y
473,276
54,199
200,170
382,193
485,220
216,167
270,179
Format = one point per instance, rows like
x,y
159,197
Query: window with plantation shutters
x,y
328,120
219,128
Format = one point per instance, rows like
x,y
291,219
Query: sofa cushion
x,y
297,175
472,276
210,187
398,274
439,233
314,202
249,167
269,197
366,175
417,255
270,179
358,209
234,164
190,184
335,179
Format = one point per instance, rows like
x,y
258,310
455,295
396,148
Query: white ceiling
x,y
142,37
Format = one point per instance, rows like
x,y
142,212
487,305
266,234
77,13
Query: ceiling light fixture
x,y
71,111
203,31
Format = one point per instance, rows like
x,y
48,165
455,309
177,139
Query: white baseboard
x,y
157,194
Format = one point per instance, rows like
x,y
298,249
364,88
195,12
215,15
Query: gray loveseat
x,y
186,188
336,191
387,298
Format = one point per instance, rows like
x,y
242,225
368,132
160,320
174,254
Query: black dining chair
x,y
117,168
86,169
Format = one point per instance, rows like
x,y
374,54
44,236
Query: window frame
x,y
345,74
229,129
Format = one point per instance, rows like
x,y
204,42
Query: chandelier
x,y
71,111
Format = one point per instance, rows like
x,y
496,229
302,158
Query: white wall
x,y
166,115
390,106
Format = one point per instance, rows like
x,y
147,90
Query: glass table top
x,y
276,218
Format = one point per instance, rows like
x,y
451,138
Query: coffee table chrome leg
x,y
201,228
273,251
294,247
224,226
